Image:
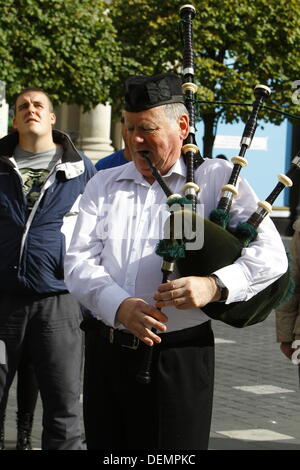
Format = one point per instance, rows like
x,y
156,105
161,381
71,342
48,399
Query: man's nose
x,y
137,137
31,108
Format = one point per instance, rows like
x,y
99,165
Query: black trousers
x,y
27,387
47,327
172,412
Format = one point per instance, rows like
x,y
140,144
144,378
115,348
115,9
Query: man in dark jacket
x,y
42,177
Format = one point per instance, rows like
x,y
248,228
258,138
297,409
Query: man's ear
x,y
14,123
53,118
184,126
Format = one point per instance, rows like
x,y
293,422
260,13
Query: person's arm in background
x,y
288,314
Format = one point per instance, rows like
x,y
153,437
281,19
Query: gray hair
x,y
173,111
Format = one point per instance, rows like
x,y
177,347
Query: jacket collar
x,y
10,141
71,165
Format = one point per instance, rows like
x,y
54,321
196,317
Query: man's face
x,y
33,114
153,132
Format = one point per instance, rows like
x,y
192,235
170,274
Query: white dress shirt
x,y
121,219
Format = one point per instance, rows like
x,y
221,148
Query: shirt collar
x,y
130,172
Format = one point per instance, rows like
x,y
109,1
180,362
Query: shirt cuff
x,y
234,279
110,299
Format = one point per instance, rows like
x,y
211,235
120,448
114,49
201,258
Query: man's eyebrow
x,y
26,103
22,105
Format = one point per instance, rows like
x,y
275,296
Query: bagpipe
x,y
222,246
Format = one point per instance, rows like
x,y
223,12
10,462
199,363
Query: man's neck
x,y
149,179
36,144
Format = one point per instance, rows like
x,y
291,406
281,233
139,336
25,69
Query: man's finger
x,y
167,286
179,301
169,295
157,314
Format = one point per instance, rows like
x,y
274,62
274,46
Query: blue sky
x,y
263,165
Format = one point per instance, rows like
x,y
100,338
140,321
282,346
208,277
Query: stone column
x,y
3,111
116,135
67,120
94,132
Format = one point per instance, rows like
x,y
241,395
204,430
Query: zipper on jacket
x,y
49,181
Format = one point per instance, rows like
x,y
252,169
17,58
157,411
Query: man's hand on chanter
x,y
139,318
187,292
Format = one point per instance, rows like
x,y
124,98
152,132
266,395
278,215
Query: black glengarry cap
x,y
143,92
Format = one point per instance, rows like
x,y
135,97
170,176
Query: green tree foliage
x,y
67,47
237,44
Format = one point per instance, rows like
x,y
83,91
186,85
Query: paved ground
x,y
266,415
